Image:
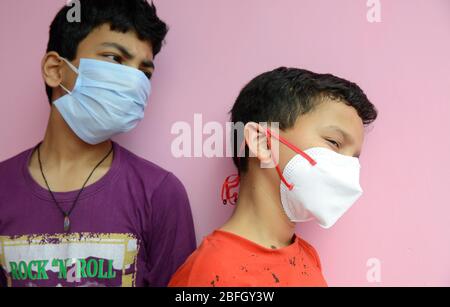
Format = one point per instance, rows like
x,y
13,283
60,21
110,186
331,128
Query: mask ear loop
x,y
269,133
71,66
231,182
74,69
293,147
65,89
290,186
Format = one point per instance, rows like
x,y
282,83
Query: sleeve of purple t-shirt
x,y
173,237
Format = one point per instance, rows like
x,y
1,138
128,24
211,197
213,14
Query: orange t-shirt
x,y
228,260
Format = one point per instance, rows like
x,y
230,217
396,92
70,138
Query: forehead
x,y
129,40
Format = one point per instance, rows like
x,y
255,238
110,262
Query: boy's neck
x,y
62,146
259,216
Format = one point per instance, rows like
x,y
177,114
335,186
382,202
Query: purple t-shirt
x,y
133,227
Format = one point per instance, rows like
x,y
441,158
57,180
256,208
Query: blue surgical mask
x,y
107,99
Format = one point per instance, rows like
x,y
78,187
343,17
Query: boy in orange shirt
x,y
316,177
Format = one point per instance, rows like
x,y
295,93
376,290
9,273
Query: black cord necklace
x,y
67,214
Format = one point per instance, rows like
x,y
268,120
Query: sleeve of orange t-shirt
x,y
200,271
312,251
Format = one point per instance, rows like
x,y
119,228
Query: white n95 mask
x,y
318,184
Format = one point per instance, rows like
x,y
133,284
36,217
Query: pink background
x,y
215,47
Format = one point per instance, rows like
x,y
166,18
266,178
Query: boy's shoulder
x,y
146,170
206,266
139,163
10,165
208,253
311,251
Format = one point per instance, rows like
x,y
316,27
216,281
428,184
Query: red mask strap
x,y
291,146
277,167
230,182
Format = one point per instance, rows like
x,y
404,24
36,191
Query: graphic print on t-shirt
x,y
76,259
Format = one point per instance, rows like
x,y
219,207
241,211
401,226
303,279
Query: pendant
x,y
66,223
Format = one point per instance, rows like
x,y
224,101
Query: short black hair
x,y
283,94
122,16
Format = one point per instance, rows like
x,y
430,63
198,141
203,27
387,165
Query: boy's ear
x,y
52,69
256,140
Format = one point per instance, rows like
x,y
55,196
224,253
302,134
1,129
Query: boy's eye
x,y
114,58
334,143
148,75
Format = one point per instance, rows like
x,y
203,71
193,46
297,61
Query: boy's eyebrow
x,y
148,64
128,54
344,134
121,48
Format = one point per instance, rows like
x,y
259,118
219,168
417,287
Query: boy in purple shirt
x,y
78,209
